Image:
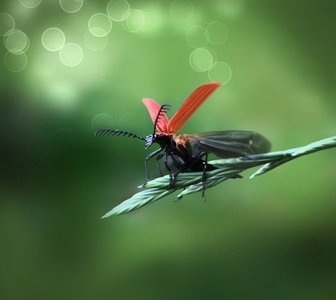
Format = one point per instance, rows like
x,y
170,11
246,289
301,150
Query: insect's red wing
x,y
153,109
190,105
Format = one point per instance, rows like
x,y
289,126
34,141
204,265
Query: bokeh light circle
x,y
201,59
15,62
95,43
118,10
181,10
30,3
44,64
71,6
53,39
136,21
7,23
102,120
196,36
100,25
16,41
71,54
217,33
221,72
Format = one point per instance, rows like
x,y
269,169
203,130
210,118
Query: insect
x,y
189,152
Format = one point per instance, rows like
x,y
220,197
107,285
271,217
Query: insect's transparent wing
x,y
226,144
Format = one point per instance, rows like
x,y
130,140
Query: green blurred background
x,y
69,67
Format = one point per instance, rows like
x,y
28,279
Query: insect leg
x,y
166,162
204,172
192,165
174,163
197,159
157,163
148,157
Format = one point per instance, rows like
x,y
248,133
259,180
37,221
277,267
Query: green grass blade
x,y
227,168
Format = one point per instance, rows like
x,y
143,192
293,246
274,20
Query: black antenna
x,y
116,132
163,109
